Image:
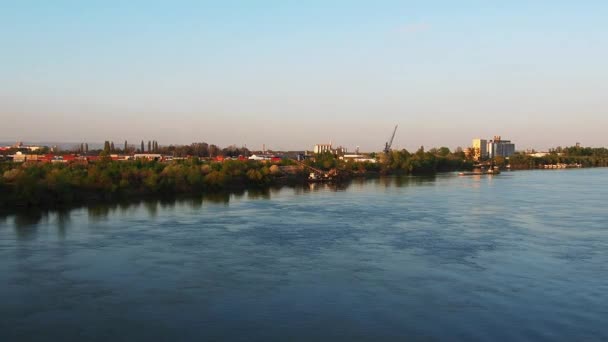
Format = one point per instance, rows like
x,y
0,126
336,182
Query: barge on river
x,y
493,171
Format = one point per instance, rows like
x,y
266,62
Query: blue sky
x,y
294,73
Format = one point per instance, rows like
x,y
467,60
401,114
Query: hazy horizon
x,y
290,75
94,145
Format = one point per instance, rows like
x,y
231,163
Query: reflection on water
x,y
32,216
100,212
29,218
394,258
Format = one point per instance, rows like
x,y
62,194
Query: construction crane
x,y
387,146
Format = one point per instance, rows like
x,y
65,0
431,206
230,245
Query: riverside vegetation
x,y
584,156
55,184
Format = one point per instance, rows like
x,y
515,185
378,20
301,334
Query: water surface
x,y
519,256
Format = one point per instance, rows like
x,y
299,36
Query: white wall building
x,y
260,157
322,148
357,158
148,156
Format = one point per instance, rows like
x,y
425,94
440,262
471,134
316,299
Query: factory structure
x,y
328,148
488,149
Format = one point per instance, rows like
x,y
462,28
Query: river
x,y
518,256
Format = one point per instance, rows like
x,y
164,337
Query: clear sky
x,y
294,73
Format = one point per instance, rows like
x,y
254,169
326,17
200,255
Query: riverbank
x,y
58,184
104,202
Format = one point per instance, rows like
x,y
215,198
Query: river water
x,y
518,256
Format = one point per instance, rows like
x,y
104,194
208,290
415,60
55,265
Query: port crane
x,y
387,146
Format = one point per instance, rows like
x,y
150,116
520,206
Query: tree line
x,y
584,156
197,149
32,184
400,162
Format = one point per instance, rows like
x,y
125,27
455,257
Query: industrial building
x,y
500,148
327,148
497,147
322,148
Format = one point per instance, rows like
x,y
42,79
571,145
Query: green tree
x,y
500,161
213,151
443,151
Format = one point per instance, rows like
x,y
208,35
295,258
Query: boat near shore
x,y
493,171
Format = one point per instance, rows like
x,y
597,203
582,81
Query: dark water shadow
x,y
99,212
26,223
22,218
406,181
64,220
256,194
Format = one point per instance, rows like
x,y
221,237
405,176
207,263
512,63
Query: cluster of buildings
x,y
19,145
20,157
487,149
480,150
342,153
